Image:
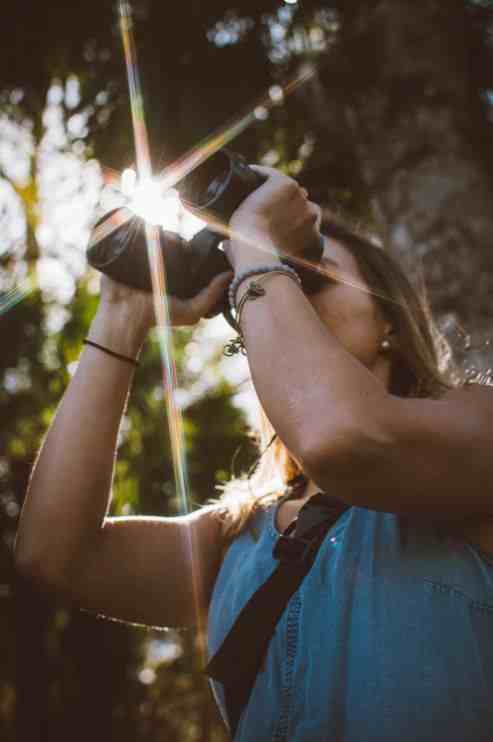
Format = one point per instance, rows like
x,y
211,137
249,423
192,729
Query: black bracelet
x,y
111,352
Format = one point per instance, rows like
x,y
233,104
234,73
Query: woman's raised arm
x,y
150,570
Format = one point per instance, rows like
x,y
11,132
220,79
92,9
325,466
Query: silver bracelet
x,y
233,288
253,292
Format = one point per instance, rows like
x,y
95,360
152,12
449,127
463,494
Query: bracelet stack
x,y
254,291
254,272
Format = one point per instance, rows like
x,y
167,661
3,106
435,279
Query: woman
x,y
389,635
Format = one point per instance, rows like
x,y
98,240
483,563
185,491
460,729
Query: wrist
x,y
249,258
247,284
117,331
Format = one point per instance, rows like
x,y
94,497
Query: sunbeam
x,y
9,299
158,278
155,189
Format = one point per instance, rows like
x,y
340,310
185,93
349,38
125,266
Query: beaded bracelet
x,y
253,292
254,272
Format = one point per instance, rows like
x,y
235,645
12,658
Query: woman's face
x,y
351,313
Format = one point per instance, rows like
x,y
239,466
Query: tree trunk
x,y
423,144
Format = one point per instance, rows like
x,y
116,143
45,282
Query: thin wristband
x,y
86,341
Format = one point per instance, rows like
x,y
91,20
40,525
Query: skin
x,y
352,315
280,214
348,434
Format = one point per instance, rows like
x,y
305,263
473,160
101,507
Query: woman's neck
x,y
303,488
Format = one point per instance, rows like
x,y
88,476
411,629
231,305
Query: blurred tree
x,y
399,108
418,107
68,661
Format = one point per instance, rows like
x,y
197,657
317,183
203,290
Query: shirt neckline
x,y
272,527
273,516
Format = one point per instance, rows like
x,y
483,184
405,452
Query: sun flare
x,y
149,200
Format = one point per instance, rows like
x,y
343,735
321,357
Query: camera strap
x,y
242,652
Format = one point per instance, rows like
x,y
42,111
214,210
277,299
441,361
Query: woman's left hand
x,y
277,217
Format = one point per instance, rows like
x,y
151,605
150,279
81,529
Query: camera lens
x,y
216,186
207,181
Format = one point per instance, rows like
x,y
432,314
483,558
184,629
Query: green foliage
x,y
82,648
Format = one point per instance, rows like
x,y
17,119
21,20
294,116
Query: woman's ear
x,y
389,340
393,337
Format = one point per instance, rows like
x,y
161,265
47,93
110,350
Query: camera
x,y
217,187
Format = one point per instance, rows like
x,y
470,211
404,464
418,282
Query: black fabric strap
x,y
242,652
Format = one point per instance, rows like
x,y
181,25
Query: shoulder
x,y
206,524
473,396
470,389
431,457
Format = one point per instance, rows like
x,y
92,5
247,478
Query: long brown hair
x,y
422,366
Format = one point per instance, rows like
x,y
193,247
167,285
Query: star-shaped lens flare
x,y
154,191
9,299
158,276
169,178
144,175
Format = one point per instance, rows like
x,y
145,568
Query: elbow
x,y
34,574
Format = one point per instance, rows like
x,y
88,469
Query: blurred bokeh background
x,y
393,131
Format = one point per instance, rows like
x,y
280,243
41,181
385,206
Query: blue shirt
x,y
389,638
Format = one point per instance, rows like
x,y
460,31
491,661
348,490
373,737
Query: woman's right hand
x,y
116,297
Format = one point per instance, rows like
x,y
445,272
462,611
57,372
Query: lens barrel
x,y
219,185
